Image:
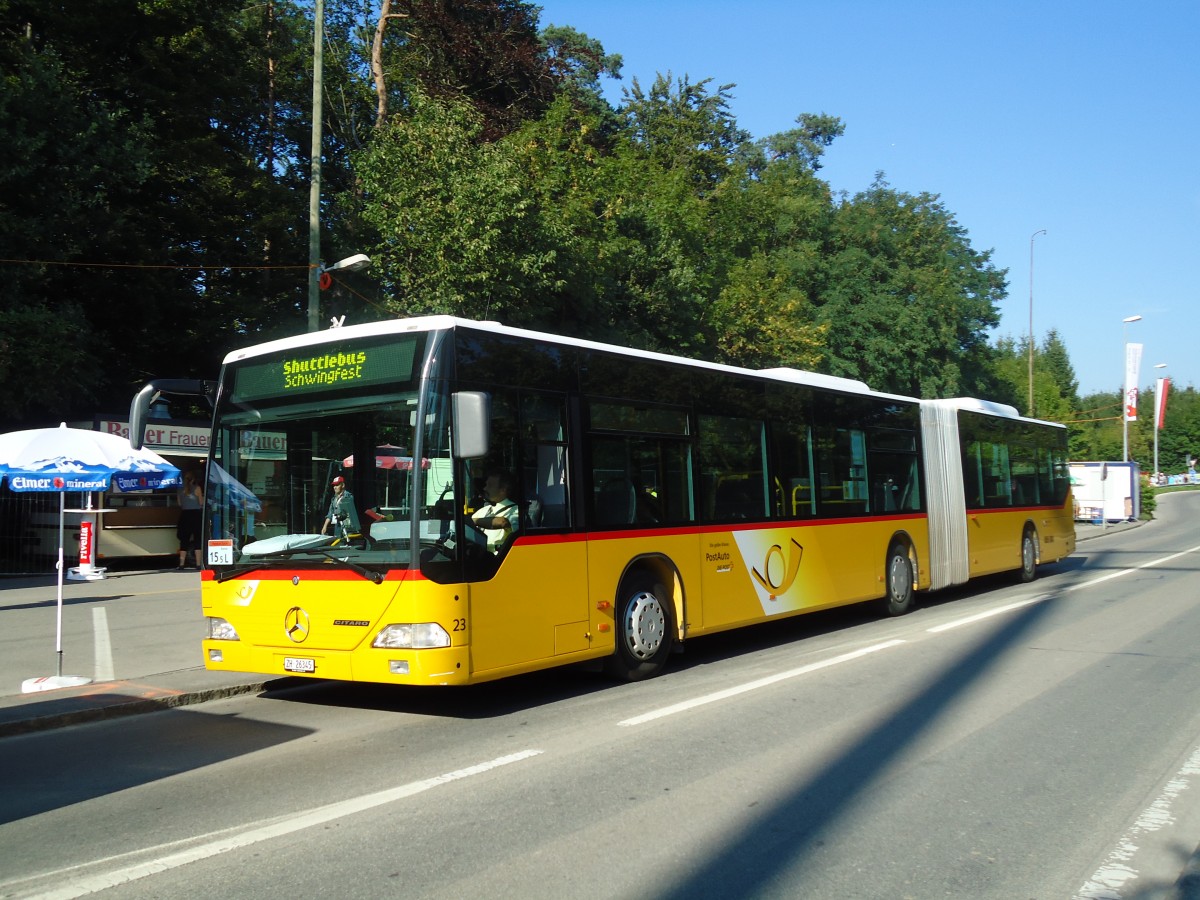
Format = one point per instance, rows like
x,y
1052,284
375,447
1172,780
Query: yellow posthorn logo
x,y
789,566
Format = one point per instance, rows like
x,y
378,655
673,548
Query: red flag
x,y
1160,402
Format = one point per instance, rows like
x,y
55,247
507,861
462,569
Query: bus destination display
x,y
300,373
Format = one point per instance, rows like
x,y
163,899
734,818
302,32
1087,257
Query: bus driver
x,y
499,518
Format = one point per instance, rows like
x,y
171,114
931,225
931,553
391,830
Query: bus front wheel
x,y
899,597
643,624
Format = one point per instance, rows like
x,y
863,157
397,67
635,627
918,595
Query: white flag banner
x,y
1133,362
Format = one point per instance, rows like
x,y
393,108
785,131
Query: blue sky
x,y
1081,118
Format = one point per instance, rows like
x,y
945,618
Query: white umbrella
x,y
71,459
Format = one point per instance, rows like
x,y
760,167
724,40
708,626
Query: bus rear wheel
x,y
1028,556
898,574
643,623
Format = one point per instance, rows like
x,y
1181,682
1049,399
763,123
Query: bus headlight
x,y
220,630
418,636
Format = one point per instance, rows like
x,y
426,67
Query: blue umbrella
x,y
71,459
240,495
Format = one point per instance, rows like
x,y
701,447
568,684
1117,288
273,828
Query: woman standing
x,y
191,506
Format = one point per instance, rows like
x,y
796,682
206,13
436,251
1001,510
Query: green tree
x,y
485,52
456,230
57,186
1099,435
1180,435
684,127
761,319
806,144
140,186
773,224
579,62
1054,359
1055,388
907,300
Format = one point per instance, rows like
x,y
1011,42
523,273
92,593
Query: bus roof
x,y
987,407
441,322
444,323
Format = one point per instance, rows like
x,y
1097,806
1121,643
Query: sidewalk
x,y
136,634
1086,530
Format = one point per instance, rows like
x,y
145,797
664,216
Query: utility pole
x,y
1031,237
314,188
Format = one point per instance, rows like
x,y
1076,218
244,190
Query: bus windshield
x,y
319,459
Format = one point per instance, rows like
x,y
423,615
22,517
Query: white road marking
x,y
946,626
755,685
257,833
1145,565
1104,885
937,629
1116,871
103,644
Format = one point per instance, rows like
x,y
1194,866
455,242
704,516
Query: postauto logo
x,y
56,483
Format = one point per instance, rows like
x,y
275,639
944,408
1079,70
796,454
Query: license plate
x,y
220,553
299,664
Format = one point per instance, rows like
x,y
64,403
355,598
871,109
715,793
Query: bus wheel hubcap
x,y
645,625
899,576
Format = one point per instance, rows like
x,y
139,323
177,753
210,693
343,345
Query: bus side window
x,y
547,506
732,462
891,465
543,428
616,502
794,497
1024,474
972,466
842,454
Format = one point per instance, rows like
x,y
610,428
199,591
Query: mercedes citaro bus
x,y
656,499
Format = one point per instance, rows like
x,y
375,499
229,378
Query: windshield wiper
x,y
371,576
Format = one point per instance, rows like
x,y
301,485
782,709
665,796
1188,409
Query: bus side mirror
x,y
472,414
139,408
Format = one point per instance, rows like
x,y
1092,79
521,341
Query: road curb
x,y
1091,532
118,699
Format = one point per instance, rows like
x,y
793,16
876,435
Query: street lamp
x,y
1031,237
355,263
1158,406
1125,392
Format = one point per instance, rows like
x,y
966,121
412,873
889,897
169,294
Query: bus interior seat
x,y
552,499
885,496
533,513
616,502
735,500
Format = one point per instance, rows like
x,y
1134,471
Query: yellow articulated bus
x,y
439,501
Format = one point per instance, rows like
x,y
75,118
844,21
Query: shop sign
x,y
163,438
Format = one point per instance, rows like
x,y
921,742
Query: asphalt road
x,y
1004,741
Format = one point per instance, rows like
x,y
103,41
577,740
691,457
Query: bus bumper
x,y
441,666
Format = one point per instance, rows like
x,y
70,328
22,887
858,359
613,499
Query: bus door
x,y
641,504
529,593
